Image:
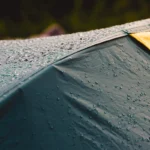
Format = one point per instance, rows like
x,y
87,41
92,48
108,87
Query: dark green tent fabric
x,y
95,99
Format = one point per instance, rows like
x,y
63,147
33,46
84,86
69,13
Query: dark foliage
x,y
22,18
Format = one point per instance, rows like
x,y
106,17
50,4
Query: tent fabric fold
x,y
95,99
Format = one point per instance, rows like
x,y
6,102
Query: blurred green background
x,y
23,18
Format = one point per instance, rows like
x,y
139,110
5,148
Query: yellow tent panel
x,y
143,37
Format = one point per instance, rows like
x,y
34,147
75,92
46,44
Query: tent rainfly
x,y
84,91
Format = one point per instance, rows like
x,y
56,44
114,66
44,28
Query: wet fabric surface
x,y
95,99
20,58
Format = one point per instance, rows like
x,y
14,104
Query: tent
x,y
83,91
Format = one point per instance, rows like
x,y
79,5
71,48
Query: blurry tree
x,y
22,18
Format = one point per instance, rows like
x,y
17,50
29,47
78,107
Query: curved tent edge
x,y
122,33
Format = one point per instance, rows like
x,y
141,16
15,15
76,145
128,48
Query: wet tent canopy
x,y
81,91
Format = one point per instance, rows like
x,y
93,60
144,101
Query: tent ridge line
x,y
119,34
